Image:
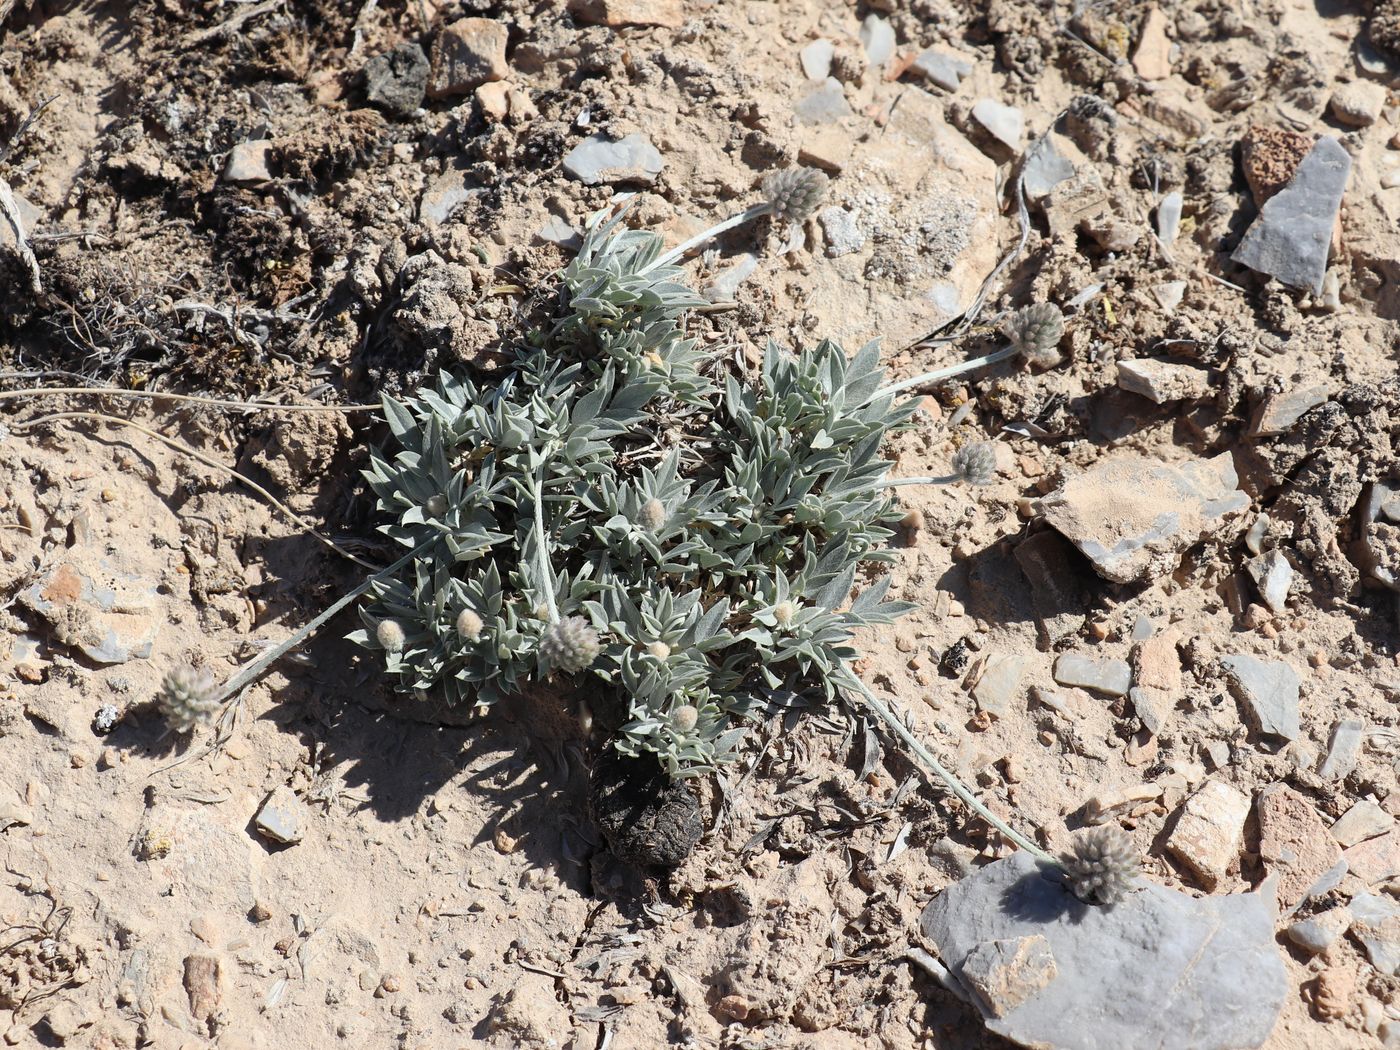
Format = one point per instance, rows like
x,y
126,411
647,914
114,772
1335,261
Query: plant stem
x,y
954,784
942,373
747,215
546,573
948,479
267,659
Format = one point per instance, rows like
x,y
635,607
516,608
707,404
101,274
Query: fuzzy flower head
x,y
1101,866
794,194
187,698
976,463
652,515
685,717
1035,332
469,625
390,635
784,613
659,650
571,644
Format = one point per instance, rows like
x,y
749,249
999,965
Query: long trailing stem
x,y
947,479
955,785
267,659
747,215
943,373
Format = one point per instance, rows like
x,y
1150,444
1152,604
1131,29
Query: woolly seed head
x,y
571,644
652,515
1035,332
660,650
187,698
976,463
1101,865
436,505
685,717
469,625
389,634
784,613
794,194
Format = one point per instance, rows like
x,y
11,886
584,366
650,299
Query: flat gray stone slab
x,y
1269,691
1292,234
599,159
1110,677
1160,971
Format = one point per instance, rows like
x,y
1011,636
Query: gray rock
x,y
445,194
1320,932
824,104
1133,516
1279,411
1053,699
1006,123
1377,551
1273,575
946,71
843,234
1161,969
1376,924
1292,234
723,286
816,59
29,215
1164,381
599,159
1044,168
1110,677
397,80
247,162
877,37
1365,820
1343,749
282,817
1169,294
1059,591
1000,684
1269,691
557,231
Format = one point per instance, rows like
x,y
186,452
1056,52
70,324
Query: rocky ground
x,y
1173,609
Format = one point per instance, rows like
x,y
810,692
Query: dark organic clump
x,y
648,820
1384,27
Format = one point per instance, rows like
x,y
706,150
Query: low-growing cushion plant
x,y
623,507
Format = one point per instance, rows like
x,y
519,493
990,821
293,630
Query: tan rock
x,y
1375,860
1004,974
1269,156
1209,831
1113,804
1157,680
494,98
1293,843
468,52
1153,57
927,237
615,13
204,984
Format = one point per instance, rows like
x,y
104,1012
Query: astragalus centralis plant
x,y
629,518
621,512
